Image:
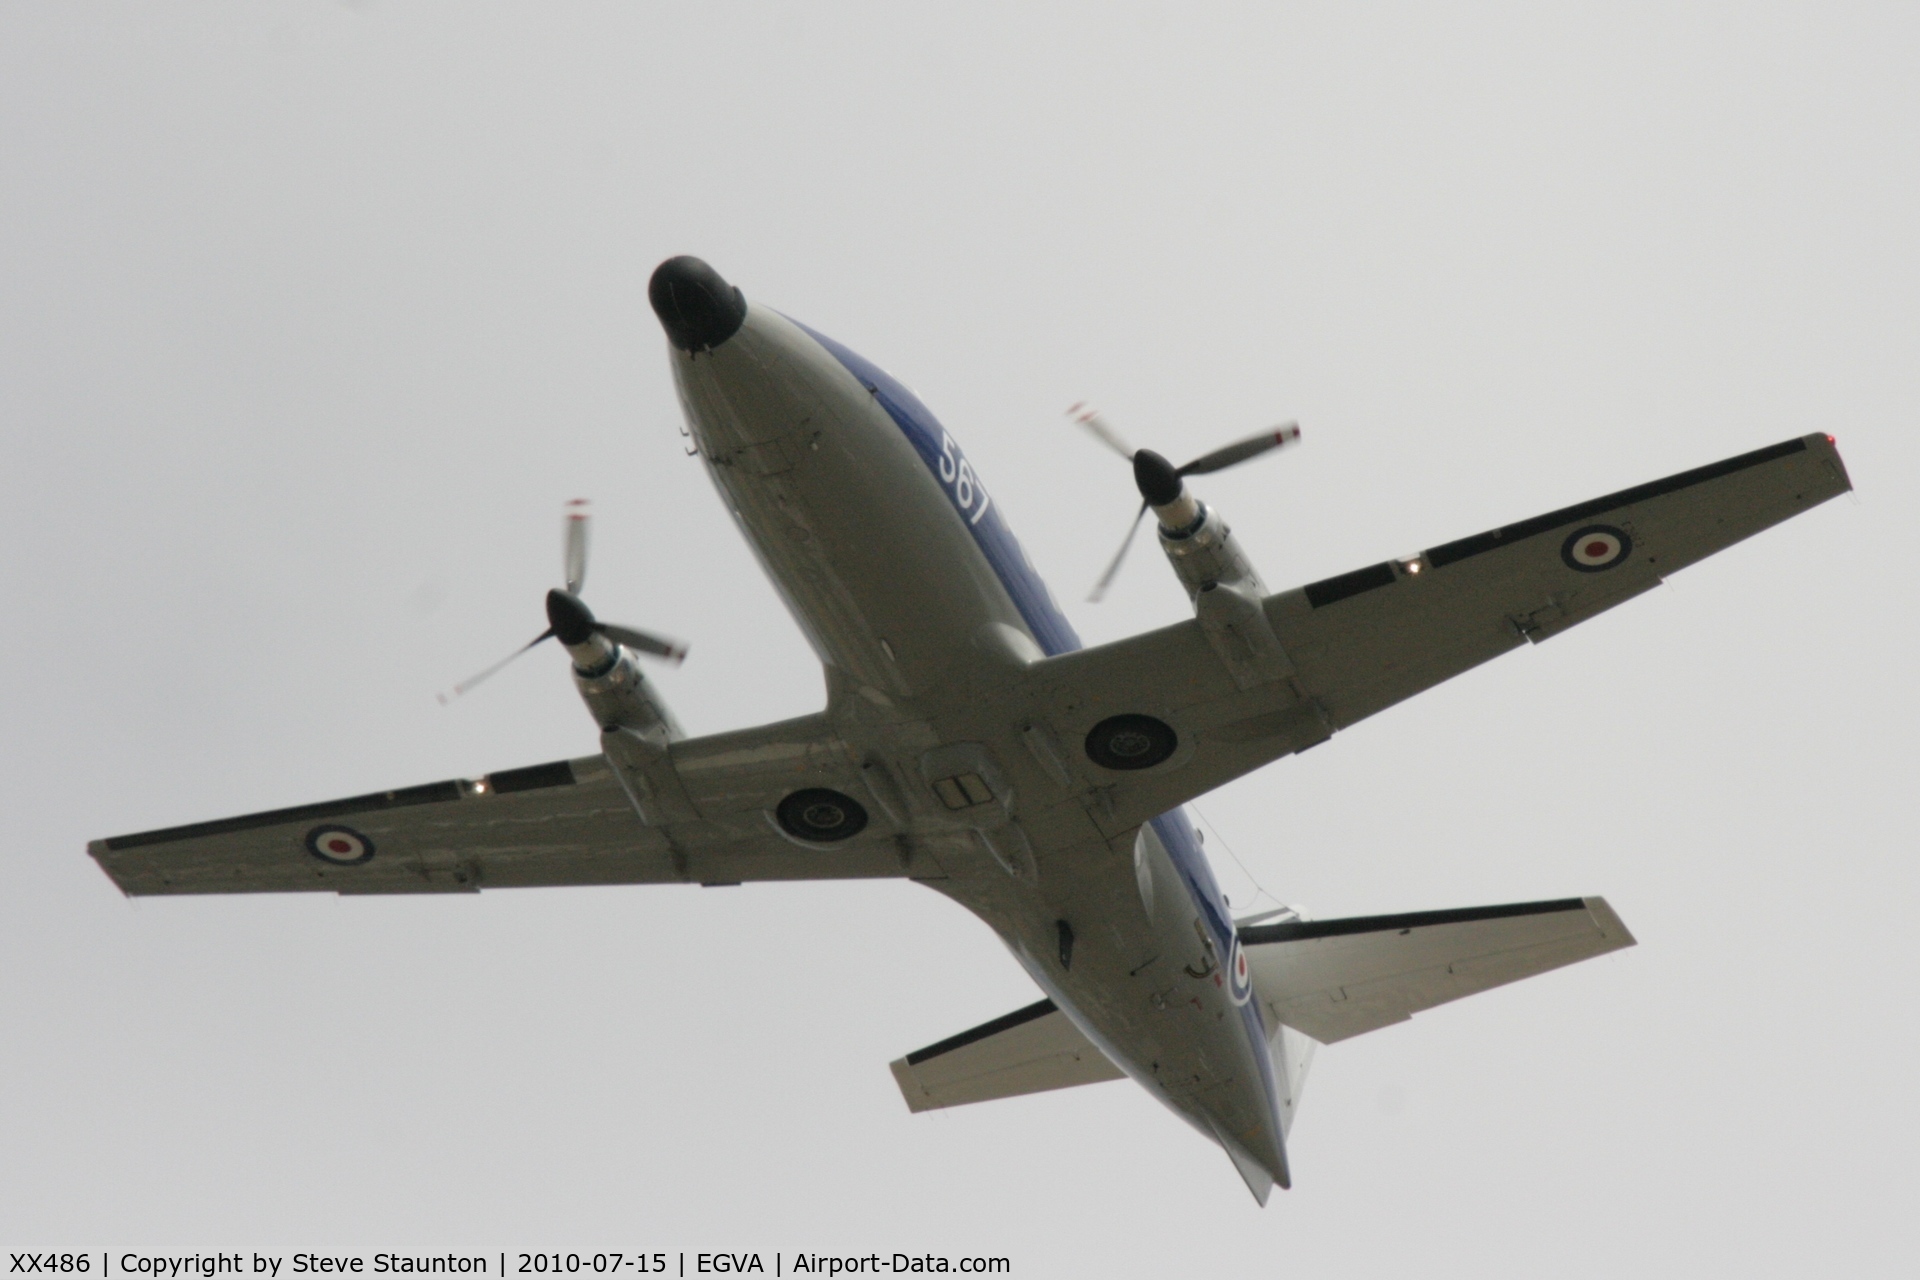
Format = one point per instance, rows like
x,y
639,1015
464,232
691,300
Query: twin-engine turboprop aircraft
x,y
970,743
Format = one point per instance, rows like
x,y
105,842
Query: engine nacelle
x,y
617,693
635,728
1205,554
1227,594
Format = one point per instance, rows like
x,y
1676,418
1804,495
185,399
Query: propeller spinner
x,y
1162,485
568,618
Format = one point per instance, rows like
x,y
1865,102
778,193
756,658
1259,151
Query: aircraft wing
x,y
1338,978
1360,642
564,823
1030,1050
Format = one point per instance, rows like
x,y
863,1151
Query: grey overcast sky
x,y
312,315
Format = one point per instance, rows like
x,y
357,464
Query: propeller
x,y
568,618
577,516
1162,484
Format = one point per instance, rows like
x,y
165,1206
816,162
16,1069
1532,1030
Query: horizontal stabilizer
x,y
1030,1050
1338,978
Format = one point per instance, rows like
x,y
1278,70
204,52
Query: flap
x,y
1337,978
1030,1050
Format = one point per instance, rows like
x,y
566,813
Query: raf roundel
x,y
1596,547
1239,981
342,846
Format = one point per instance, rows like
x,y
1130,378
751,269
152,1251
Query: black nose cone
x,y
696,307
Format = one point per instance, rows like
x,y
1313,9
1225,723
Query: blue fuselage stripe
x,y
1052,631
938,449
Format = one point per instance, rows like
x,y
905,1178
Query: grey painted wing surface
x,y
564,823
1338,978
1369,639
560,823
1360,642
1030,1050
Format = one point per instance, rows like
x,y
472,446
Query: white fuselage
x,y
892,556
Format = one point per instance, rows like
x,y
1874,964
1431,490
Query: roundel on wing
x,y
817,813
1239,979
1130,742
342,846
1596,547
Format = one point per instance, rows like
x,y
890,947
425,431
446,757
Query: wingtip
x,y
1609,922
910,1091
1833,448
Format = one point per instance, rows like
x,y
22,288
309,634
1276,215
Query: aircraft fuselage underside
x,y
891,555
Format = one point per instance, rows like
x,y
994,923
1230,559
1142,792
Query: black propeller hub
x,y
571,620
1158,480
697,308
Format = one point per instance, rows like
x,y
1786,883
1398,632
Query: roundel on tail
x,y
1239,977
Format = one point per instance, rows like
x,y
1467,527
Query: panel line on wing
x,y
430,793
1507,535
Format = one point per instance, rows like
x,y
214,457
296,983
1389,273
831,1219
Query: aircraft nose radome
x,y
696,307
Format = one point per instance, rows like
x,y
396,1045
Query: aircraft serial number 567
x,y
967,489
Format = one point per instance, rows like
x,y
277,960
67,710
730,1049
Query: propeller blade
x,y
1252,447
471,681
1113,570
1089,417
576,545
672,650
